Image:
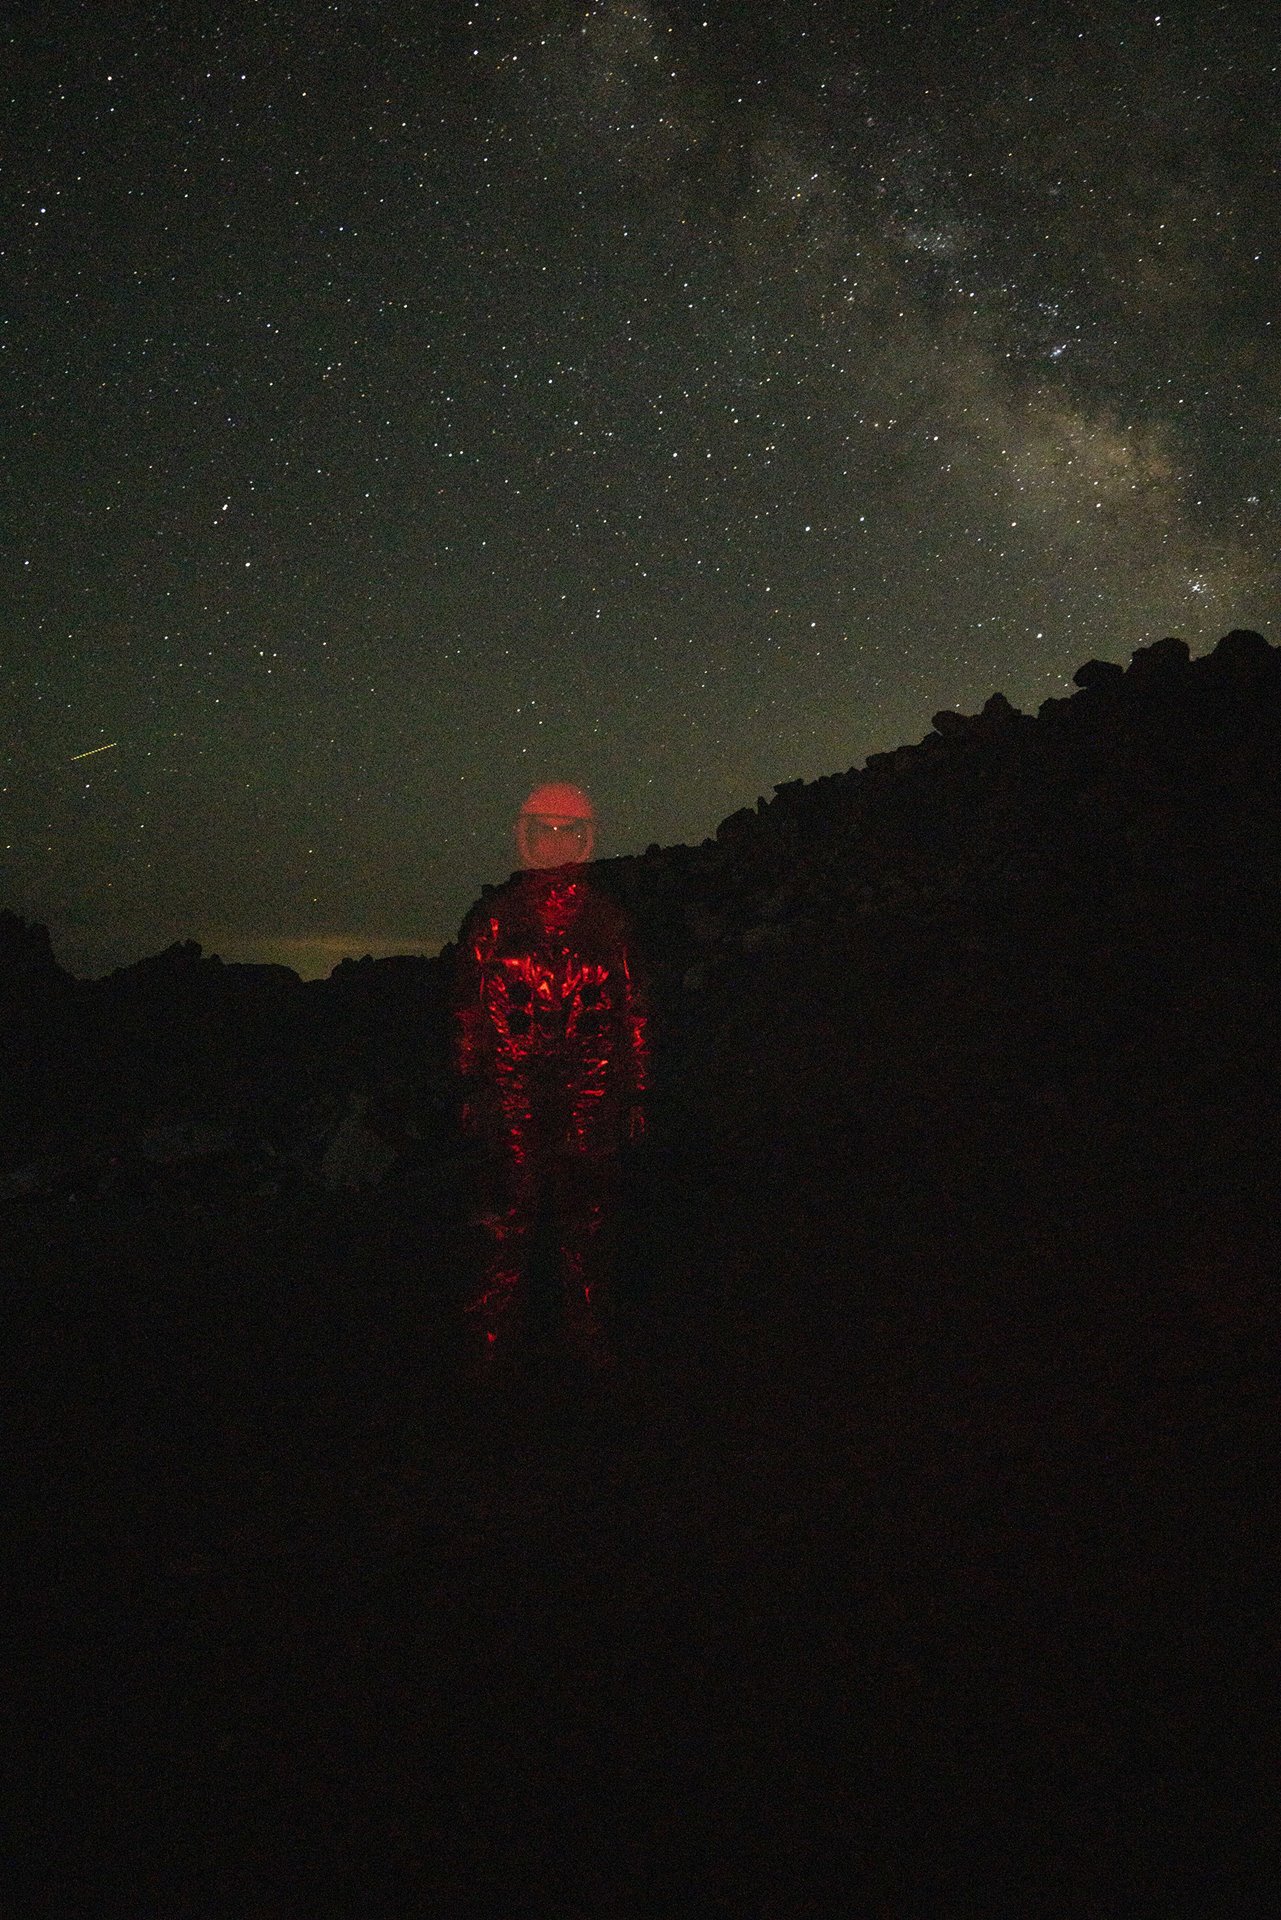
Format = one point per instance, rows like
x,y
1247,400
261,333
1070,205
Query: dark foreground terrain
x,y
915,1559
918,1556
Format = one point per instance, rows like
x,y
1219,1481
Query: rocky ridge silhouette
x,y
1017,916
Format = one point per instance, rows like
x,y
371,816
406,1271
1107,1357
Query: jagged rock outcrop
x,y
26,955
986,801
1085,892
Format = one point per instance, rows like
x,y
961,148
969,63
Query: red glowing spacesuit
x,y
550,1046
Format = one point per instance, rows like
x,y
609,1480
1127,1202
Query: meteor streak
x,y
92,750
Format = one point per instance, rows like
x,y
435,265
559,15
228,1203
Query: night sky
x,y
402,404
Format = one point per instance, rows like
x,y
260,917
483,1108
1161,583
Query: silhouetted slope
x,y
1012,927
1017,913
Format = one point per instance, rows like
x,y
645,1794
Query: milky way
x,y
397,413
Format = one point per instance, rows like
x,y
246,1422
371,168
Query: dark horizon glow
x,y
403,411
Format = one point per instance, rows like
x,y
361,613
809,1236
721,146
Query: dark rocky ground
x,y
918,1558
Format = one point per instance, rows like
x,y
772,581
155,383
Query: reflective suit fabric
x,y
550,1045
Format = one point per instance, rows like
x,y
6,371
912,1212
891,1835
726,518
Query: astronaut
x,y
551,1051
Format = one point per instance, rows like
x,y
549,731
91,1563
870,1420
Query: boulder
x,y
1164,660
356,1156
26,952
1242,655
1099,676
